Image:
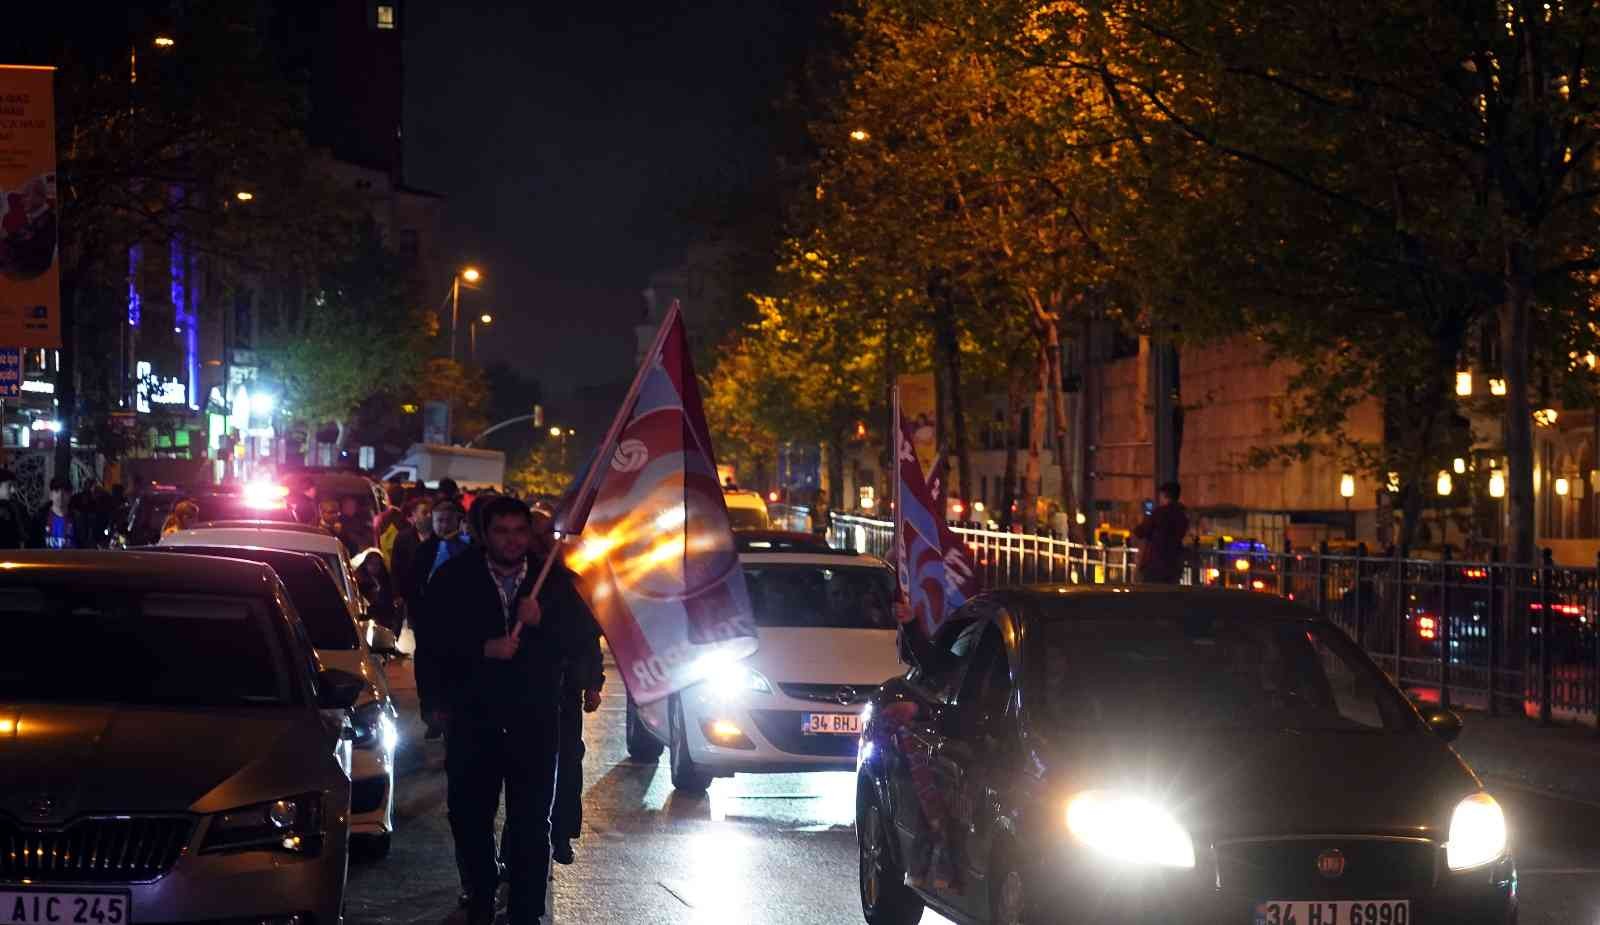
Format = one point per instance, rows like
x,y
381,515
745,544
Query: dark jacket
x,y
1161,543
403,567
464,611
16,526
586,668
82,528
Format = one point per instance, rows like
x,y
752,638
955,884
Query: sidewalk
x,y
1559,760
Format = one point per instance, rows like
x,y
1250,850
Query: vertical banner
x,y
653,543
30,275
919,414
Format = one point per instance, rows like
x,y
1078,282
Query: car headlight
x,y
374,726
291,824
1477,833
731,682
1129,829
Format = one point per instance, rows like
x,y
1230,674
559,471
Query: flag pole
x,y
607,446
894,493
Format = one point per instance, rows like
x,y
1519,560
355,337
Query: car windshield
x,y
1211,671
316,597
126,647
747,518
821,596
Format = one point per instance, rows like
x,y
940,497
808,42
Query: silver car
x,y
171,749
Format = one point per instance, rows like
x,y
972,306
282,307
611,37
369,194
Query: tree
x,y
349,338
540,471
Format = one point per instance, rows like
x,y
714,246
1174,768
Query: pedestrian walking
x,y
445,544
355,525
413,530
1161,538
502,653
303,504
15,524
377,586
58,525
584,678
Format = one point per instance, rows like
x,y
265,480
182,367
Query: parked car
x,y
149,511
827,639
292,537
359,648
779,541
1171,754
171,747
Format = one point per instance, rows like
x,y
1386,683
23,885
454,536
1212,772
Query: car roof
x,y
1069,601
289,557
824,558
780,541
288,526
744,497
270,537
143,571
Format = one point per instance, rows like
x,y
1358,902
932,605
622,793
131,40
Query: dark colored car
x,y
172,749
149,511
1167,755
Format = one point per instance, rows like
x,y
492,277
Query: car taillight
x,y
1427,627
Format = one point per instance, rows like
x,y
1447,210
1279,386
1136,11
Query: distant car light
x,y
1477,833
1129,829
265,494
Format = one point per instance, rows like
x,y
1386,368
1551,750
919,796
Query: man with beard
x,y
502,657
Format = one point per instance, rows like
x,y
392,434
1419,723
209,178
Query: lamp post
x,y
471,276
1347,490
472,341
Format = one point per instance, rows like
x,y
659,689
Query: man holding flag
x,y
502,645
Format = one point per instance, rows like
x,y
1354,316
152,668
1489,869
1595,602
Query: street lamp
x,y
1497,484
165,41
859,135
1347,490
472,346
1464,382
1563,486
1459,465
244,195
471,276
1445,484
1497,387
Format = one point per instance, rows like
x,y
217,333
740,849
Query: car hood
x,y
1288,782
826,656
62,761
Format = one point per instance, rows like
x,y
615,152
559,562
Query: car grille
x,y
782,729
1374,868
367,795
94,850
836,694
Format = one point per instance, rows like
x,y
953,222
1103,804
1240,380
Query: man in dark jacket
x,y
502,656
15,528
445,543
1161,539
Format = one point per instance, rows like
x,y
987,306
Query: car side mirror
x,y
339,690
1445,724
381,640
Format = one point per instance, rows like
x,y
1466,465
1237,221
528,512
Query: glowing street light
x,y
1464,382
555,431
1497,484
1545,417
1563,486
1459,465
1347,486
859,135
165,41
486,318
244,195
471,274
1497,387
1445,485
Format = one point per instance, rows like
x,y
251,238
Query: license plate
x,y
831,724
1343,912
51,908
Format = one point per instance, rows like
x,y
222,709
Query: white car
x,y
827,640
360,652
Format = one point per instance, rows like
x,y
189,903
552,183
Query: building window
x,y
385,16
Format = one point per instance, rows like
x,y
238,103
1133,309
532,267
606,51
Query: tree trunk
x,y
947,342
1032,475
1008,494
1518,424
1058,416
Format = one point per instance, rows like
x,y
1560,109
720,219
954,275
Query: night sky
x,y
571,141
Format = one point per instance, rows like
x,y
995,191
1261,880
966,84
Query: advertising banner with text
x,y
30,275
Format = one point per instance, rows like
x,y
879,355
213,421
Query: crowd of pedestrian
x,y
69,519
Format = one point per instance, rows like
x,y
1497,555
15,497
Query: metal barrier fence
x,y
1494,636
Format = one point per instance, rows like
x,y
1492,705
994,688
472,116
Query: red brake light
x,y
1427,627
